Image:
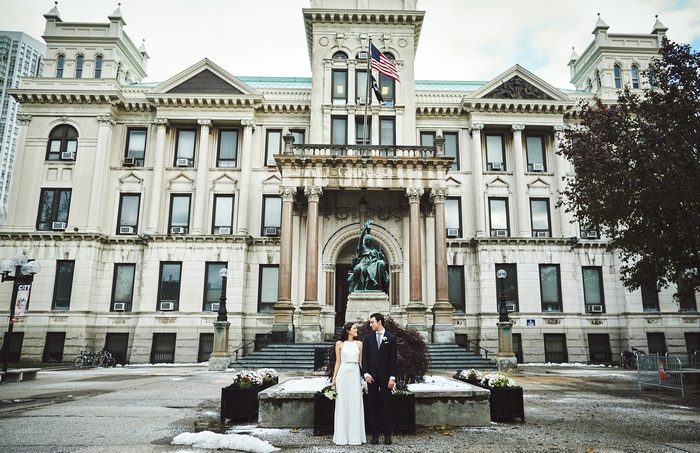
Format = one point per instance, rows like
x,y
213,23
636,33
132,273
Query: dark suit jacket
x,y
380,363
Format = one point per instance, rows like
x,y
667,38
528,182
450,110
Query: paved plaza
x,y
141,408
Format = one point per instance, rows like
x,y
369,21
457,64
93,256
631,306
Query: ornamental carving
x,y
313,193
517,128
161,122
414,194
204,123
166,320
248,123
402,42
117,321
518,88
59,318
476,127
288,193
23,118
352,214
596,322
552,321
439,194
690,320
653,321
324,41
106,120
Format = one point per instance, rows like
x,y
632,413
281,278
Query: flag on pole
x,y
375,88
382,64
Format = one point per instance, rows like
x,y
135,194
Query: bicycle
x,y
104,358
84,359
629,359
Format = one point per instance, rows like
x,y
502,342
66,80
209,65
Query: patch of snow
x,y
311,384
593,365
135,365
681,407
438,383
208,439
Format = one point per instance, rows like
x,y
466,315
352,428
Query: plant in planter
x,y
269,377
246,379
471,376
506,397
240,399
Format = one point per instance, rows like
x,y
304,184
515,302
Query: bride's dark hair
x,y
346,328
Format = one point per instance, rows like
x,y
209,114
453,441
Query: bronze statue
x,y
369,265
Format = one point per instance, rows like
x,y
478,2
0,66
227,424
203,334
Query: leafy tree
x,y
637,174
412,357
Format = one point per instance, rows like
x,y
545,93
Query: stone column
x,y
284,309
522,206
416,307
310,328
245,162
477,177
568,229
443,328
17,200
154,195
200,199
98,187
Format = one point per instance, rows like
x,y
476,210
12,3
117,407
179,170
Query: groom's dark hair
x,y
378,317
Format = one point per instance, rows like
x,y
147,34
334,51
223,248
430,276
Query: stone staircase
x,y
300,357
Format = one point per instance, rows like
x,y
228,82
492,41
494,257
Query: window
x,y
228,149
455,287
650,298
169,288
386,87
223,214
54,205
272,215
53,348
686,299
117,344
63,143
212,288
299,136
184,153
123,287
64,285
179,214
618,76
427,139
550,287
452,149
340,56
539,211
339,130
273,146
387,135
453,217
267,288
510,286
79,66
535,153
498,215
59,66
360,127
593,289
599,347
206,347
135,147
635,77
657,343
361,87
128,213
588,231
98,67
340,87
495,153
163,348
555,350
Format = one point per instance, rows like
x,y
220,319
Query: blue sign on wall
x,y
531,322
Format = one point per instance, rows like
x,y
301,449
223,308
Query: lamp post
x,y
24,271
223,314
219,359
502,309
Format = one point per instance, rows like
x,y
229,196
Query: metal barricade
x,y
660,371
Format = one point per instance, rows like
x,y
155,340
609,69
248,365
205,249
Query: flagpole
x,y
367,95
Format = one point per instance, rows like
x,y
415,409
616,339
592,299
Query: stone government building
x,y
133,196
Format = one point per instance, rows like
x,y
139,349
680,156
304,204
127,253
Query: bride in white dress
x,y
349,410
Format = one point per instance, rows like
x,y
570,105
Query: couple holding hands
x,y
375,359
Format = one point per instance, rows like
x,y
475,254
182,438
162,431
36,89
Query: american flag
x,y
383,64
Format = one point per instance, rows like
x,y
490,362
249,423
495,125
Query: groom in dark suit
x,y
379,370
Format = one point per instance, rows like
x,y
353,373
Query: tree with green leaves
x,y
637,174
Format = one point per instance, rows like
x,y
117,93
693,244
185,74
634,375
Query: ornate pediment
x,y
517,88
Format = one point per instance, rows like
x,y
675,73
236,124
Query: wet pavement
x,y
141,408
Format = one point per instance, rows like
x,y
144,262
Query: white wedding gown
x,y
349,410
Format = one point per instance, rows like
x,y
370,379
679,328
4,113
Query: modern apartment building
x,y
134,195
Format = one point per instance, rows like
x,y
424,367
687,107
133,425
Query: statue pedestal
x,y
361,304
505,359
219,359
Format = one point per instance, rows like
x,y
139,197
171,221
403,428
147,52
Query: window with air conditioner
x,y
178,230
273,145
539,217
272,215
123,286
185,147
509,285
498,217
169,287
593,288
227,153
179,221
63,143
453,216
362,55
135,147
550,287
223,214
452,232
510,306
212,285
119,306
535,153
128,213
63,287
54,205
167,306
495,153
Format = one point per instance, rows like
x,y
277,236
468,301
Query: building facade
x,y
134,195
20,56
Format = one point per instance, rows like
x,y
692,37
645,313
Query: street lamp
x,y
502,310
223,273
24,271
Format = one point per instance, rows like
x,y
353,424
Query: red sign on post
x,y
22,299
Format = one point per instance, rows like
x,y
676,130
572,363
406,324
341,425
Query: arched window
x,y
98,66
79,66
618,76
340,56
63,143
59,66
597,77
635,77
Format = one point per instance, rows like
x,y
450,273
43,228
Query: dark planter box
x,y
507,403
268,384
239,404
324,413
404,411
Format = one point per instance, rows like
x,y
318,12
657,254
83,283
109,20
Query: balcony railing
x,y
364,151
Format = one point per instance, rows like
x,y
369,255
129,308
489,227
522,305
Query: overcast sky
x,y
460,39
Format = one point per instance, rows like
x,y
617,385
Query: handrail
x,y
486,351
695,358
245,345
